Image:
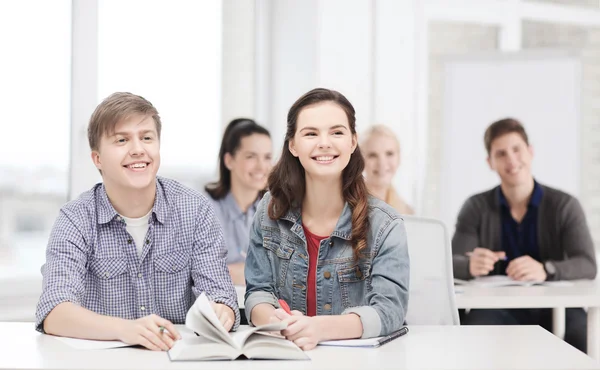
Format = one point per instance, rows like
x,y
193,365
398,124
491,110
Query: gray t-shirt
x,y
236,226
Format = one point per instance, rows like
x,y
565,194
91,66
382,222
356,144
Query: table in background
x,y
582,293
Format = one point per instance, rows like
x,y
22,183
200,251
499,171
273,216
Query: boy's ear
x,y
96,159
531,151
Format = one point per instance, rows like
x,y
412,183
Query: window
x,y
170,53
35,39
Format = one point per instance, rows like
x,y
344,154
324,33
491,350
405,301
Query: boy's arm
x,y
59,310
70,320
64,271
209,263
577,244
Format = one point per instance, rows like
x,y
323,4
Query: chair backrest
x,y
431,294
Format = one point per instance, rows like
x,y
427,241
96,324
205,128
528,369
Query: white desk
x,y
430,347
584,293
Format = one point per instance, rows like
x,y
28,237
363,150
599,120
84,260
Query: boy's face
x,y
511,158
129,158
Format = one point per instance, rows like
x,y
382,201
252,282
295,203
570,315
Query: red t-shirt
x,y
312,243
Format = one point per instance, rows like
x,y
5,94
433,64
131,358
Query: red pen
x,y
285,306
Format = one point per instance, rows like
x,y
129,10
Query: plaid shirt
x,y
91,260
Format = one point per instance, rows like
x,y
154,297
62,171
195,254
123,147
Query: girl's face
x,y
251,163
382,158
323,141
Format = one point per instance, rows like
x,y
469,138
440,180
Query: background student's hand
x,y
302,330
146,332
225,314
526,268
482,260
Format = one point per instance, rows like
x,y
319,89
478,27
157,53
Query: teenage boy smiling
x,y
540,231
128,258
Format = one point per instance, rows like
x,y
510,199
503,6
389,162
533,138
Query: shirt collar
x,y
106,211
233,211
343,228
534,200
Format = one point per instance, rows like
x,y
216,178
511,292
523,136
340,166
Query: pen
x,y
391,337
285,306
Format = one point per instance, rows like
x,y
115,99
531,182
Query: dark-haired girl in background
x,y
244,165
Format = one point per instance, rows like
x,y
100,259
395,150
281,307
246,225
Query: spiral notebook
x,y
370,342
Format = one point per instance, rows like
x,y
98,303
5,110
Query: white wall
x,y
541,89
361,48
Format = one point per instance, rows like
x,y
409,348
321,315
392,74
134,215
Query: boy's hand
x,y
152,332
225,314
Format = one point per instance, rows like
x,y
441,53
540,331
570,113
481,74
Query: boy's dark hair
x,y
501,128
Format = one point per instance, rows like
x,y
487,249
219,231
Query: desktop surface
x,y
424,347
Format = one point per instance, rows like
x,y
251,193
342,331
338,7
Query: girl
x,y
319,242
382,158
244,165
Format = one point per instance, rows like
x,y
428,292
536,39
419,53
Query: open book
x,y
215,343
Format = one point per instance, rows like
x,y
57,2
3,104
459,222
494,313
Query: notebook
x,y
503,280
369,342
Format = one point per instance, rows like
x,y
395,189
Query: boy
x,y
128,258
525,230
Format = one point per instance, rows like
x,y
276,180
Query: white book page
x,y
500,280
202,319
268,346
244,333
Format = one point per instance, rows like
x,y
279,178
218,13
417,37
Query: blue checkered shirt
x,y
91,259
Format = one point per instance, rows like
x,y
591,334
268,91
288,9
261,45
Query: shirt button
x,y
327,307
118,218
140,275
327,274
147,241
129,241
331,243
106,274
142,308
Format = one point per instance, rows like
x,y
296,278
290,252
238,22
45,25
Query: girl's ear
x,y
292,148
228,159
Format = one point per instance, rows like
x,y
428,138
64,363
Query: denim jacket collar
x,y
343,228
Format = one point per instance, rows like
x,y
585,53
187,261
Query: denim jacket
x,y
376,289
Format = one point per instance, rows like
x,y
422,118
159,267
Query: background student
x,y
337,256
540,231
381,150
127,259
245,160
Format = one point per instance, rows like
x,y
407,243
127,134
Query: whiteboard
x,y
541,89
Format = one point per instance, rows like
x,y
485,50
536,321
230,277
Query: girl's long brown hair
x,y
287,180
